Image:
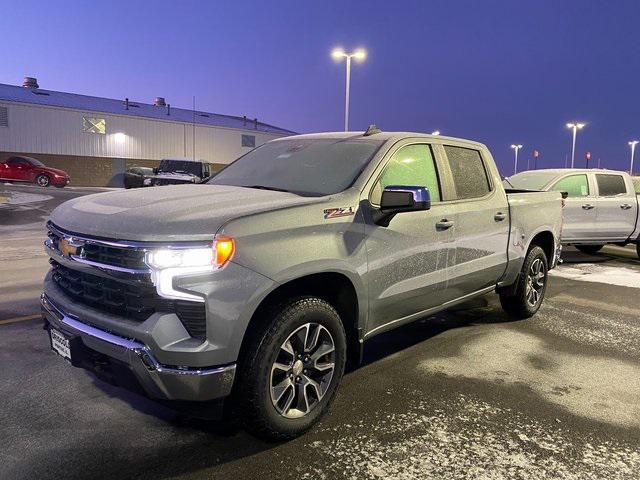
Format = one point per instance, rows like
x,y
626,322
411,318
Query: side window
x,y
412,165
610,185
468,171
574,185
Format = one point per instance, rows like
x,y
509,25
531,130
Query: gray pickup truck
x,y
601,206
257,286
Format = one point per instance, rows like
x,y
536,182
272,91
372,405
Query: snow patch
x,y
19,198
621,276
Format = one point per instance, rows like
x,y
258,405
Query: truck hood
x,y
173,212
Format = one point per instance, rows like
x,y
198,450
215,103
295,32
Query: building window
x,y
4,117
249,141
94,125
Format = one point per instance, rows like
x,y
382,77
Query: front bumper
x,y
92,346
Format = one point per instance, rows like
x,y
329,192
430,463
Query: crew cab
x,y
601,205
30,170
257,285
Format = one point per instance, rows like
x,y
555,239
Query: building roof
x,y
39,96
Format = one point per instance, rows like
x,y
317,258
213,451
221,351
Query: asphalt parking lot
x,y
465,394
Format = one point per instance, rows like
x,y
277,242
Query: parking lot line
x,y
20,319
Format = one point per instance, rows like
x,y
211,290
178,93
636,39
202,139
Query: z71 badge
x,y
338,212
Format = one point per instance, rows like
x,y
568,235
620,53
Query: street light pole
x,y
338,54
515,149
633,144
575,127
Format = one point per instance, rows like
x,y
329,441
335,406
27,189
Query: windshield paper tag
x,y
338,212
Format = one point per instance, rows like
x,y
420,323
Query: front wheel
x,y
290,369
531,288
43,180
589,249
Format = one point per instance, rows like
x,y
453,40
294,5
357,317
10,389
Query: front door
x,y
407,261
21,169
580,207
616,208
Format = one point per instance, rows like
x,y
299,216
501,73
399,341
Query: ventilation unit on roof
x,y
159,102
30,82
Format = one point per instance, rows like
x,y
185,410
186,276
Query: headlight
x,y
189,257
169,263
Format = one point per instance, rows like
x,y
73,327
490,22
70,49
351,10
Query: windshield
x,y
180,166
529,180
313,167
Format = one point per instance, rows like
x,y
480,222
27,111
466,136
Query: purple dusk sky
x,y
500,72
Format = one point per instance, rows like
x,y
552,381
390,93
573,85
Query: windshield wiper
x,y
264,187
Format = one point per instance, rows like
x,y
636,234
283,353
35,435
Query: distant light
x,y
435,132
119,137
633,142
359,54
516,146
338,53
576,125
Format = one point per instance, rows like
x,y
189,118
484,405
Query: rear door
x,y
580,209
482,221
616,207
407,260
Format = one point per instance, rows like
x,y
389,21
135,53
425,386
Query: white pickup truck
x,y
601,206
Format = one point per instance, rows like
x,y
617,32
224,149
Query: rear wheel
x,y
43,180
529,292
291,368
638,248
589,249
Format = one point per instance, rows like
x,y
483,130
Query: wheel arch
x,y
334,287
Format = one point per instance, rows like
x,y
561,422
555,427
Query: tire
x,y
265,365
589,249
520,304
43,180
638,249
59,186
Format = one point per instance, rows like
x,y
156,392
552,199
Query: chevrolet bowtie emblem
x,y
67,247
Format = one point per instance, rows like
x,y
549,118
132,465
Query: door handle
x,y
587,206
625,206
498,217
444,224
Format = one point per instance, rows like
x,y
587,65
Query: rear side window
x,y
413,166
610,185
469,173
574,185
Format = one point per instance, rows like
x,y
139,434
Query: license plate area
x,y
60,343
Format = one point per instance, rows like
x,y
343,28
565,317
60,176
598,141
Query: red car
x,y
27,169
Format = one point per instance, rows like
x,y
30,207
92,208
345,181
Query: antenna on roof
x,y
372,130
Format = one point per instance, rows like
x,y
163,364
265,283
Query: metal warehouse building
x,y
96,139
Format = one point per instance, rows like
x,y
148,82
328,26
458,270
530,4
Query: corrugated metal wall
x,y
51,130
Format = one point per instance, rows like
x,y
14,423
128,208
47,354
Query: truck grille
x,y
135,301
109,255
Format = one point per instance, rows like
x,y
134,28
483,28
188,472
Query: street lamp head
x,y
359,54
337,54
576,125
516,146
435,132
633,142
580,125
